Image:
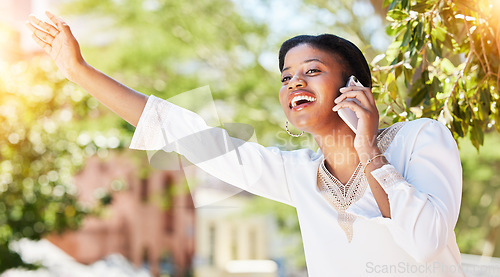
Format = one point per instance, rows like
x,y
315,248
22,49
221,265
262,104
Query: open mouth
x,y
301,99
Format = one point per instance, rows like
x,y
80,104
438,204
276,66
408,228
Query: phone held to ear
x,y
347,114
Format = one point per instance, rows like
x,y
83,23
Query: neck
x,y
337,146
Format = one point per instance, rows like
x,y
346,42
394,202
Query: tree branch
x,y
387,67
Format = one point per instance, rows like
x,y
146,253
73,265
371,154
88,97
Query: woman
x,y
381,202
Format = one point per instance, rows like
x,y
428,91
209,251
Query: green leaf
x,y
439,33
407,36
414,61
394,4
435,86
476,134
391,86
397,15
405,4
397,59
485,105
398,71
386,3
419,31
447,66
418,92
408,73
394,29
420,7
457,126
497,116
436,47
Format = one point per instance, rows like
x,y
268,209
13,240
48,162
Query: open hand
x,y
58,42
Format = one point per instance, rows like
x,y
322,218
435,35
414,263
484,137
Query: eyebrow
x,y
306,61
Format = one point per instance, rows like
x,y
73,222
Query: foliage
x,y
442,64
43,142
178,46
356,21
38,155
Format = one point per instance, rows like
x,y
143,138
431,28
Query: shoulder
x,y
425,131
425,126
423,141
424,122
413,126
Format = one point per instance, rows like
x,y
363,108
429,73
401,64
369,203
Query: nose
x,y
296,82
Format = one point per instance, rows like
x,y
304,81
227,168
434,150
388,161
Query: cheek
x,y
283,96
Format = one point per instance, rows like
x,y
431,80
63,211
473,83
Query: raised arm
x,y
60,44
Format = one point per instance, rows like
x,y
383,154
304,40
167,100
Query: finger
x,y
40,33
351,95
53,31
56,19
350,105
369,95
366,91
358,94
45,46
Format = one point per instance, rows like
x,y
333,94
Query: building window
x,y
168,203
211,244
252,238
144,190
234,243
169,220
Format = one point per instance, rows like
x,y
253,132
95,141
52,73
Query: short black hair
x,y
346,53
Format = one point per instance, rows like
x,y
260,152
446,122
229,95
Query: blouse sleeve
x,y
426,202
246,165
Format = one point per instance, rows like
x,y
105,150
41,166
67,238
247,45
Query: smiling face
x,y
311,79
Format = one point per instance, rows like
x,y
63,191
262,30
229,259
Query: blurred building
x,y
230,242
149,221
152,223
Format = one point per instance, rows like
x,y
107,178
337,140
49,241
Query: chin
x,y
311,123
304,122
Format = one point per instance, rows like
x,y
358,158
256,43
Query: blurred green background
x,y
49,127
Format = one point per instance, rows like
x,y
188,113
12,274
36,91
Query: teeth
x,y
302,97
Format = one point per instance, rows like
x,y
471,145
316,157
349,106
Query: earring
x,y
293,135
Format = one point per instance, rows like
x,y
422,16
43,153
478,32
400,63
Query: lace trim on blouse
x,y
387,176
342,196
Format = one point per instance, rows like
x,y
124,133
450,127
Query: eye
x,y
312,71
285,79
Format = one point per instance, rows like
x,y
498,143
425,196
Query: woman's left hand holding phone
x,y
367,128
365,141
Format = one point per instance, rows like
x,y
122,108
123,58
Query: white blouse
x,y
423,183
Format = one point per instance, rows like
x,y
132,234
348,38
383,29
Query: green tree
x,y
38,155
48,129
178,46
442,64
